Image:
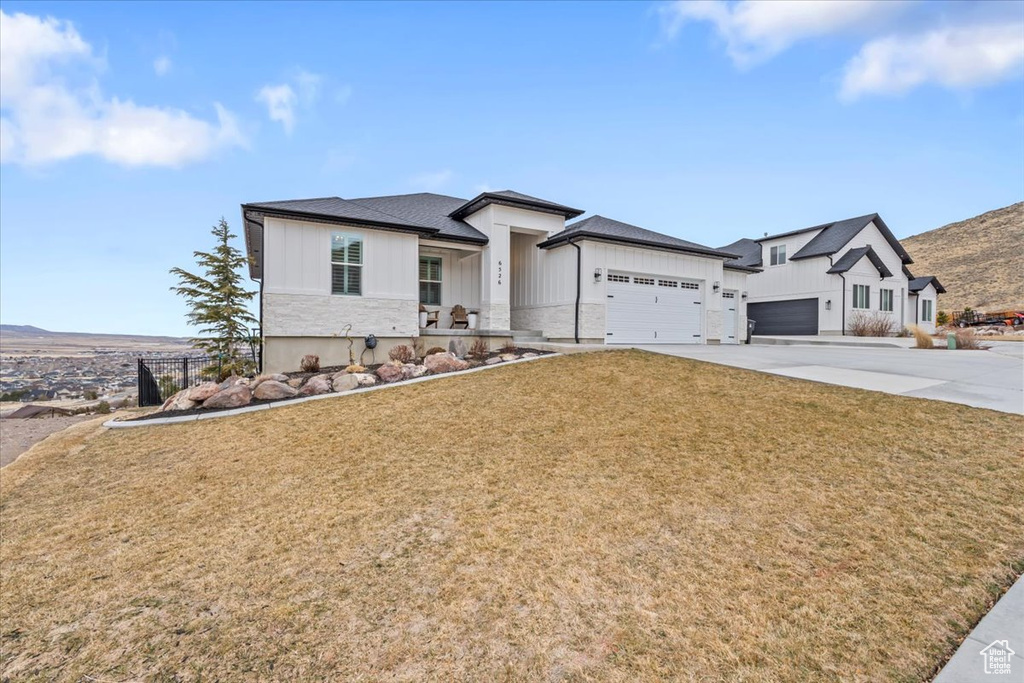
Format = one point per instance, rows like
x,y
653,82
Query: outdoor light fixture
x,y
828,305
743,296
597,274
717,285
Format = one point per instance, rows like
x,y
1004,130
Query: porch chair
x,y
459,317
431,316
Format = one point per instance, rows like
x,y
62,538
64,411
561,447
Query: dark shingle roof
x,y
427,209
919,283
339,209
749,251
601,228
851,257
835,236
513,199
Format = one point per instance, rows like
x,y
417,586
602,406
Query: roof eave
x,y
558,241
486,198
338,220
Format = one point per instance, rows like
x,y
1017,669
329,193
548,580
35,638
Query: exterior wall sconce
x,y
828,305
597,274
717,286
743,296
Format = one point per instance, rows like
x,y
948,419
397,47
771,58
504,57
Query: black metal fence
x,y
161,378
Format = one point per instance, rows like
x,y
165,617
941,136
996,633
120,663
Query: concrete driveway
x,y
984,379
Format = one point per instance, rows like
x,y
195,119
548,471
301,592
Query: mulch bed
x,y
370,370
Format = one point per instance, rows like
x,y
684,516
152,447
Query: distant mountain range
x,y
31,331
980,261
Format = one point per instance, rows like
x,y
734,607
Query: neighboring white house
x,y
330,267
818,279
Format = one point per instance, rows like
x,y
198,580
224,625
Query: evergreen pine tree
x,y
217,303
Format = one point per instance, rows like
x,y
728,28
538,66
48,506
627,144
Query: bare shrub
x,y
965,339
479,350
435,349
872,325
509,347
402,354
922,340
417,346
310,363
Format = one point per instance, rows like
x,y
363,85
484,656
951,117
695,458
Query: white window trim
x,y
351,264
773,255
439,282
881,300
867,297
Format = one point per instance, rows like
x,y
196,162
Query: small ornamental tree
x,y
217,303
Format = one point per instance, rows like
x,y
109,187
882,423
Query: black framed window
x,y
346,264
430,280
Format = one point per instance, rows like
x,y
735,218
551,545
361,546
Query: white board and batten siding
x,y
297,294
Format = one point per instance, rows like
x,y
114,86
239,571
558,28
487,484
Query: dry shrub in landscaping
x,y
872,325
965,339
310,363
435,349
479,350
509,347
922,340
402,354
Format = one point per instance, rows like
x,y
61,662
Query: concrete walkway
x,y
991,379
1004,622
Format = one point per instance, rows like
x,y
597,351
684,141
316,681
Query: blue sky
x,y
128,129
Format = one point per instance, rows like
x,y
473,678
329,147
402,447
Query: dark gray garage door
x,y
796,316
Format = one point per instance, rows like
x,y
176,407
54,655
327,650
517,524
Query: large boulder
x,y
344,381
231,381
389,372
365,379
271,389
263,378
411,370
316,385
295,382
234,396
179,401
457,347
444,362
201,392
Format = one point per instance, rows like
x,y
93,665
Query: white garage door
x,y
729,318
647,309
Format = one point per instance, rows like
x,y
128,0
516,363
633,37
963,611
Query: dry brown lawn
x,y
614,516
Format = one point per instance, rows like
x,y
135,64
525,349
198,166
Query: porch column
x,y
495,269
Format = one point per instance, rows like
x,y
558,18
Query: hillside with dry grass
x,y
980,261
615,516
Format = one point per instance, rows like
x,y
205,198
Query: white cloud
x,y
433,180
285,100
162,65
281,101
957,57
755,31
53,107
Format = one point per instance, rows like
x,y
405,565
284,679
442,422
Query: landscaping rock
x,y
508,356
316,385
389,372
529,355
179,401
201,392
353,369
492,361
411,370
295,382
364,379
457,348
344,381
263,378
444,362
234,396
231,381
271,389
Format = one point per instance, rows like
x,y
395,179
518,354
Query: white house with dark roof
x,y
387,266
816,280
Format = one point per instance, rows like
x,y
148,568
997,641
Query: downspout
x,y
579,268
844,297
